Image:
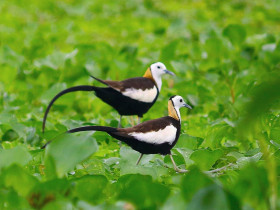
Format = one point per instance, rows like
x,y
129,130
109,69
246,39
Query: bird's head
x,y
174,104
158,69
155,72
179,102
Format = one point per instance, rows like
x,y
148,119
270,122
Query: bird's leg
x,y
138,161
120,122
119,126
175,167
139,120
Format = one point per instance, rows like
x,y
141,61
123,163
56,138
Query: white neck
x,y
158,81
178,113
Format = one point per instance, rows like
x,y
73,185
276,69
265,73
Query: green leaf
x,y
175,201
50,167
265,96
187,141
59,204
51,92
11,57
128,163
252,186
275,134
168,52
49,191
92,188
142,191
55,60
216,135
10,135
213,197
235,33
9,199
68,150
20,180
205,158
242,161
214,47
18,155
192,182
8,74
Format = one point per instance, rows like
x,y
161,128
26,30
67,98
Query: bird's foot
x,y
175,166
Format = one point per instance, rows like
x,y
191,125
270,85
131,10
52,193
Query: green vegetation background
x,y
226,56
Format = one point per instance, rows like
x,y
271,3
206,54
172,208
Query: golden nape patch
x,y
171,111
148,74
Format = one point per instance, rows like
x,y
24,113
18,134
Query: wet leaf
x,y
67,150
17,155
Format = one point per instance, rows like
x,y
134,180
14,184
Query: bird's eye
x,y
181,100
158,67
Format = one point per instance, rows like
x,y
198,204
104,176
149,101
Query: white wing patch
x,y
147,95
166,135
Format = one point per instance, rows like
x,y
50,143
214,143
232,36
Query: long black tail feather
x,y
93,128
68,90
87,128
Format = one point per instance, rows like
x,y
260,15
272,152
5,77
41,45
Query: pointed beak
x,y
169,72
188,106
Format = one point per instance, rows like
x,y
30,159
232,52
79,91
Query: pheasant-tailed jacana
x,y
157,136
134,96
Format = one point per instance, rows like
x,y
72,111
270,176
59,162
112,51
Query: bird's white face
x,y
179,102
157,70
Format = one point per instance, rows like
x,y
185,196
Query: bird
x,y
134,96
156,136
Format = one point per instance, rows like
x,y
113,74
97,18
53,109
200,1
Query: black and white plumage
x,y
134,96
157,136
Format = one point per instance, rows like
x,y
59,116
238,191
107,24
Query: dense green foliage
x,y
226,56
